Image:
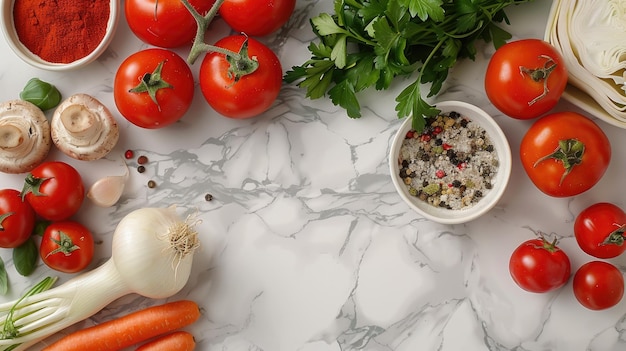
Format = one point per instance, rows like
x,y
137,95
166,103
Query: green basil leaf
x,y
42,94
25,257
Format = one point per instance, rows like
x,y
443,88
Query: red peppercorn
x,y
129,154
142,160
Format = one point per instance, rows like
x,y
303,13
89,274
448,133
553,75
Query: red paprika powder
x,y
61,31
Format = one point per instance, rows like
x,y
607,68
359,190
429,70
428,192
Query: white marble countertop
x,y
306,246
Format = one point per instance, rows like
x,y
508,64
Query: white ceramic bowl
x,y
455,216
8,28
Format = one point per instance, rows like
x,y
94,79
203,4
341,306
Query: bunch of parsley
x,y
368,43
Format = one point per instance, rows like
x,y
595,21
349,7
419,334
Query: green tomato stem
x,y
199,46
240,63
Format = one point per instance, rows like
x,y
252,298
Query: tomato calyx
x,y
66,245
569,152
549,246
540,75
615,237
32,185
151,83
241,64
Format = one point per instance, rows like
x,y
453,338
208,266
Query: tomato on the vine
x,y
238,89
565,153
600,230
153,88
164,23
67,246
525,78
17,219
598,285
256,17
539,266
55,190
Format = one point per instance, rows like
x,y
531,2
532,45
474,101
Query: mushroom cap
x,y
83,128
24,136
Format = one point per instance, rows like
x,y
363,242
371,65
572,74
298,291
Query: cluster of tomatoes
x,y
564,154
540,266
53,192
154,87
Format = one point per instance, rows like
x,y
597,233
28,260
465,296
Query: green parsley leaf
x,y
425,9
343,95
325,25
339,53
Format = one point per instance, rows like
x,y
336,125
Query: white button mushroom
x,y
24,136
83,128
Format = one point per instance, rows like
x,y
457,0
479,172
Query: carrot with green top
x,y
130,329
178,341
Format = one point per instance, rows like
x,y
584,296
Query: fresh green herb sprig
x,y
368,43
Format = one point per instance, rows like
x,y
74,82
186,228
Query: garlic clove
x,y
107,191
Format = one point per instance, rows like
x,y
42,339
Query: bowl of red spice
x,y
455,169
59,35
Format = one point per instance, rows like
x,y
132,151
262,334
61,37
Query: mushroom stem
x,y
81,123
10,137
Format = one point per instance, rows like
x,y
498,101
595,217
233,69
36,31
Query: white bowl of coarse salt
x,y
456,169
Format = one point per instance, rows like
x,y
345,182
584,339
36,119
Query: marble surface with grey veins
x,y
306,246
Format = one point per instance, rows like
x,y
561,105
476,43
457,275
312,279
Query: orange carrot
x,y
130,329
176,341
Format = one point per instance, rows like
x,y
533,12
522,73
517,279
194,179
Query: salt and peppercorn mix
x,y
451,164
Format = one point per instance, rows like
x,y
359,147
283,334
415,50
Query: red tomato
x,y
17,219
599,230
598,285
525,78
256,17
164,23
250,95
55,190
565,153
144,99
539,266
66,246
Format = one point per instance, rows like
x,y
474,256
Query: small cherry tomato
x,y
234,92
55,190
17,219
164,23
565,153
600,230
525,78
67,246
153,88
256,17
539,266
598,285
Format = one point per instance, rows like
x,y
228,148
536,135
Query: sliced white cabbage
x,y
590,34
